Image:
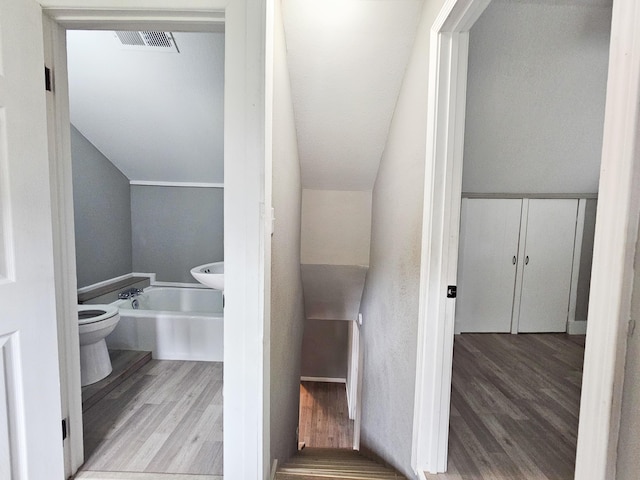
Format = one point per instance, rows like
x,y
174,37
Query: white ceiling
x,y
346,63
157,116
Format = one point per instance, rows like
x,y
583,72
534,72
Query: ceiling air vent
x,y
156,41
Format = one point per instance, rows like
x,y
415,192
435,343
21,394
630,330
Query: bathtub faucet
x,y
132,292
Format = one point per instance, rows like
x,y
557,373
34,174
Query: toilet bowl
x,y
95,322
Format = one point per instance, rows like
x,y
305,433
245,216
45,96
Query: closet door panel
x,y
546,280
489,234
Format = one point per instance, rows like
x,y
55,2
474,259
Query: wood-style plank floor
x,y
324,415
164,419
514,407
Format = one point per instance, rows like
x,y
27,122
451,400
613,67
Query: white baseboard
x,y
323,379
577,327
274,468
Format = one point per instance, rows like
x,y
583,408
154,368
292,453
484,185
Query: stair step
x,y
332,476
331,464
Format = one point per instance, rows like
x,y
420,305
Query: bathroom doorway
x,y
147,121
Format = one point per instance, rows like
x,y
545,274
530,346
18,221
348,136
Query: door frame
x,y
614,249
246,415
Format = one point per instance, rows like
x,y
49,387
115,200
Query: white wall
x,y
629,437
155,115
336,227
535,99
287,311
390,299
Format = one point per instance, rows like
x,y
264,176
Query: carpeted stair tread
x,y
333,464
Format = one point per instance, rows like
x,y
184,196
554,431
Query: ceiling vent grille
x,y
157,41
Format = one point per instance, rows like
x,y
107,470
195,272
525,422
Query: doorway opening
x,y
529,182
146,111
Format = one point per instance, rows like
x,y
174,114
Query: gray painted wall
x,y
102,214
535,100
287,310
586,258
629,437
325,348
390,299
174,229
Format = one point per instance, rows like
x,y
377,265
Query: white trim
x,y
245,438
157,183
323,379
613,252
448,51
274,469
591,196
64,246
575,270
577,327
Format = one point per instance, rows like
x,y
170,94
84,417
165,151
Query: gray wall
x,y
325,348
287,310
390,299
535,100
175,229
102,214
629,437
586,258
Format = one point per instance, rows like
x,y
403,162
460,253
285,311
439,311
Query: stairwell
x,y
328,463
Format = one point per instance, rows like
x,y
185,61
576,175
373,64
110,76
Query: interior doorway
x,y
440,242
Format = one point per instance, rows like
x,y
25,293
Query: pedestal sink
x,y
210,274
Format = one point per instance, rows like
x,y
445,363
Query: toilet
x,y
95,322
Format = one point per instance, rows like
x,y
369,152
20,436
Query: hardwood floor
x,y
164,419
514,407
324,415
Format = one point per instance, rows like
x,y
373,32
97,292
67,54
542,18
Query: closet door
x,y
489,231
548,260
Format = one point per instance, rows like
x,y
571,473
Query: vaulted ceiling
x,y
346,63
159,117
156,115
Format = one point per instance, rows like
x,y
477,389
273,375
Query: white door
x,y
489,233
30,423
546,275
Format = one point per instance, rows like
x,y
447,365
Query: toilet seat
x,y
88,314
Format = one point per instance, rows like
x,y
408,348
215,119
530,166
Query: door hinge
x,y
64,428
48,80
452,291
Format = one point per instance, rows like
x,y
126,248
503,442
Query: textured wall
x,y
287,311
336,227
325,348
629,439
586,257
390,299
102,214
175,229
535,99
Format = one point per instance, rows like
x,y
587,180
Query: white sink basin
x,y
211,275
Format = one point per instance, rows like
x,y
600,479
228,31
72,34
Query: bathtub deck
x,y
165,418
124,364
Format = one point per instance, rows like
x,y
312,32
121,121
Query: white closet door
x,y
489,234
546,275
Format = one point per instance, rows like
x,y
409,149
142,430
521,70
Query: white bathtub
x,y
172,323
